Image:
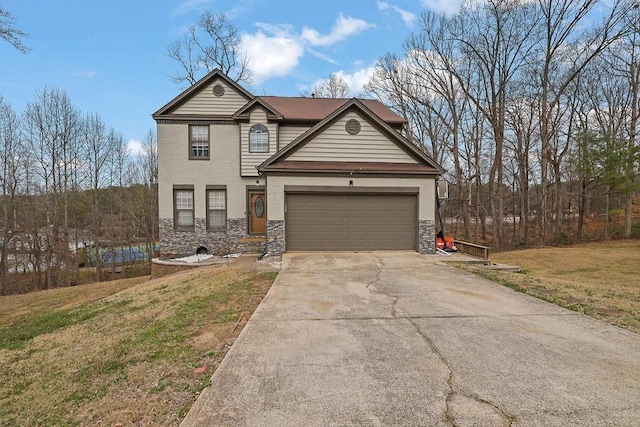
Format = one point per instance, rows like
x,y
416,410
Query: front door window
x,y
257,217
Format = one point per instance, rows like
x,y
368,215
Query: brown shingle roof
x,y
314,109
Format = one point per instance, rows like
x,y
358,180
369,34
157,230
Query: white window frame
x,y
183,209
199,147
216,206
258,139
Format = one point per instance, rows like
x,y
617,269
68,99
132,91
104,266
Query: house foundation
x,y
234,239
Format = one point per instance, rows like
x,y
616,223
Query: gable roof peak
x,y
185,95
353,104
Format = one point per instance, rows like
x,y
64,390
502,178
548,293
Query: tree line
x,y
70,189
532,106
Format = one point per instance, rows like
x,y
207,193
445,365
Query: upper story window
x,y
258,139
199,142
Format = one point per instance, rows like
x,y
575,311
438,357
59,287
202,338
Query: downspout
x,y
266,213
438,209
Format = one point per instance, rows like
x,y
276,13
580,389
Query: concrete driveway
x,y
385,339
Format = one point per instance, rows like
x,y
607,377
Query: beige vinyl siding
x,y
205,102
249,161
286,134
335,144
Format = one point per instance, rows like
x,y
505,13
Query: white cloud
x,y
344,27
355,81
322,56
407,17
271,56
358,79
279,30
447,7
134,147
275,50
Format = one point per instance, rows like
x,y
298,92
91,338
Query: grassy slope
x,y
14,308
601,279
139,356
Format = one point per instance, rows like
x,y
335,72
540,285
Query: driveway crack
x,y
449,418
380,265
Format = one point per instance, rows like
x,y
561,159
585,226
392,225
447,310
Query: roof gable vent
x,y
218,90
352,126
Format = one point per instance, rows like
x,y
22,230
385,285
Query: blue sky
x,y
110,56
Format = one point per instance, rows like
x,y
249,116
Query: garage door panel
x,y
351,221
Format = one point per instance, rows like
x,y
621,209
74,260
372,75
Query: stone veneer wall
x,y
427,237
234,240
275,237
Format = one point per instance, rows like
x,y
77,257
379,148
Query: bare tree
x,y
333,86
10,33
623,62
497,36
141,203
51,129
10,178
498,93
97,151
522,121
213,42
566,50
437,67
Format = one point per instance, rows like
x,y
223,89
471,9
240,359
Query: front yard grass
x,y
600,279
137,357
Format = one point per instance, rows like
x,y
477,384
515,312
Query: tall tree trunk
x,y
582,208
628,213
606,214
4,270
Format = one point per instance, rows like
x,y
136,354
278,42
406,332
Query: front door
x,y
257,213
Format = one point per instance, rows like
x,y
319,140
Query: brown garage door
x,y
350,222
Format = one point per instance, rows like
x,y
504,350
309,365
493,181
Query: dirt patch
x,y
611,312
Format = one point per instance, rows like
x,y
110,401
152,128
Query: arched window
x,y
258,139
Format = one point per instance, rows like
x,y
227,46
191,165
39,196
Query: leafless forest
x,y
74,201
532,107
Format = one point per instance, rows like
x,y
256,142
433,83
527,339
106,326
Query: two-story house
x,y
245,173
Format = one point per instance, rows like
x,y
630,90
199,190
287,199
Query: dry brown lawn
x,y
138,356
14,308
598,279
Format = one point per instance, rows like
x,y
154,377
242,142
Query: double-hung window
x,y
183,212
199,142
258,139
216,208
